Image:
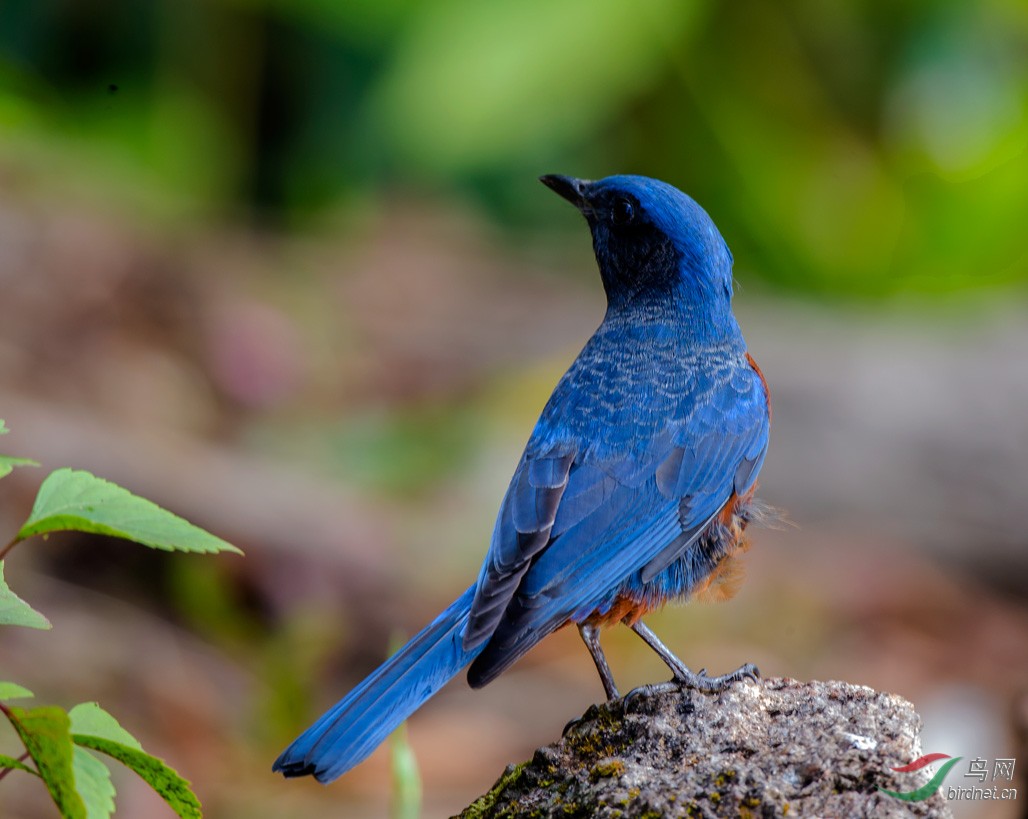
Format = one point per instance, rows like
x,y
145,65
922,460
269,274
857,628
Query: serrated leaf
x,y
7,463
17,764
16,612
45,734
93,782
171,787
75,500
89,718
13,691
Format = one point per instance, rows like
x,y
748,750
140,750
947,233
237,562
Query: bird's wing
x,y
715,454
576,524
523,528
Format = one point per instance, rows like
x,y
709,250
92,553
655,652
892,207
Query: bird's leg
x,y
591,638
682,673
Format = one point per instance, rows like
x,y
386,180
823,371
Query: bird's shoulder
x,y
627,391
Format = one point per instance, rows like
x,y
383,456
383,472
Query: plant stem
x,y
6,771
9,546
7,713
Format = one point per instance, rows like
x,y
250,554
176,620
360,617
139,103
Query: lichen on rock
x,y
772,748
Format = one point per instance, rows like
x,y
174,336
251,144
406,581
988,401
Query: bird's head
x,y
653,244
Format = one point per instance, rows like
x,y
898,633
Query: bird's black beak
x,y
572,189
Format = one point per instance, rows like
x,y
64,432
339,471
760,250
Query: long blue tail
x,y
352,728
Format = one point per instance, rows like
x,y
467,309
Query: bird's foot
x,y
652,689
683,677
702,682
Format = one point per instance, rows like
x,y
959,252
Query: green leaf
x,y
74,500
17,764
13,691
45,733
89,718
93,782
171,787
16,612
7,463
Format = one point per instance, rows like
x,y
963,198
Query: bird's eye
x,y
622,213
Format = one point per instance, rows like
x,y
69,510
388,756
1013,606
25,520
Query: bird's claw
x,y
702,682
696,679
652,688
749,672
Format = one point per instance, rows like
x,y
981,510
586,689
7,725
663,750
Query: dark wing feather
x,y
522,530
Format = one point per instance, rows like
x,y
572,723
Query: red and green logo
x,y
933,784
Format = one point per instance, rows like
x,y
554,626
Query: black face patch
x,y
633,254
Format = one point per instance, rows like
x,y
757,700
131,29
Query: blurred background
x,y
285,268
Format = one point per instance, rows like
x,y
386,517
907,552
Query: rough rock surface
x,y
772,748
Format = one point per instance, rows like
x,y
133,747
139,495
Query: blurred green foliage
x,y
856,147
394,451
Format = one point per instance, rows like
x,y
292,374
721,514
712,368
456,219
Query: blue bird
x,y
634,489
